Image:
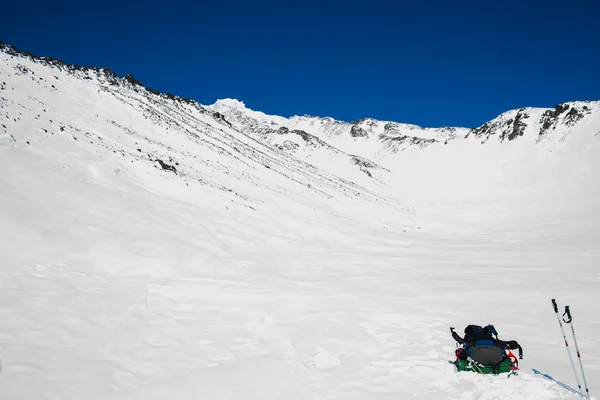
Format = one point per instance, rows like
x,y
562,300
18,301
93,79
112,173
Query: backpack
x,y
480,344
477,335
483,352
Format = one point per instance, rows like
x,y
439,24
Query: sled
x,y
505,366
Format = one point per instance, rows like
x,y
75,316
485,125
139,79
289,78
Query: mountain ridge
x,y
379,159
228,103
92,107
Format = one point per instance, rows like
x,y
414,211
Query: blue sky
x,y
431,63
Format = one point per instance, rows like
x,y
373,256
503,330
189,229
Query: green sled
x,y
466,365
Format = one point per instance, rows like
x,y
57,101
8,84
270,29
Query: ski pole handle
x,y
568,314
555,306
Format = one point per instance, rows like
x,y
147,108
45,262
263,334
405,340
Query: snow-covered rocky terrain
x,y
155,248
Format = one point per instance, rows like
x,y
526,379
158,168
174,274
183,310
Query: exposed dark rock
x,y
550,118
23,70
313,140
506,129
107,73
573,116
305,135
362,162
103,73
450,129
288,145
562,107
221,118
282,131
357,131
518,125
166,166
480,131
131,79
421,142
365,165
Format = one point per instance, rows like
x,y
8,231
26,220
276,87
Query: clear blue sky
x,y
431,63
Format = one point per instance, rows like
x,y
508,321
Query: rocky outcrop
x,y
404,139
221,118
165,166
288,145
570,115
87,72
506,126
357,131
365,165
131,79
518,126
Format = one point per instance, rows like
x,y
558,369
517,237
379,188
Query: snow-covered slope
x,y
377,139
157,248
504,157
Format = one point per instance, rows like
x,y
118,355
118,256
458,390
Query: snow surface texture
x,y
156,248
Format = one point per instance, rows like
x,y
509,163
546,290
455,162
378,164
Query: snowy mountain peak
x,y
228,104
535,123
382,136
320,140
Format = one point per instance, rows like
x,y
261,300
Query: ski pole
x,y
566,343
551,379
569,321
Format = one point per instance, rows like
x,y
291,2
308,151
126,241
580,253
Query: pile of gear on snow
x,y
481,351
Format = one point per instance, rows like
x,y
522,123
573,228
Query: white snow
x,y
254,274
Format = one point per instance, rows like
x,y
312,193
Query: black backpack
x,y
482,345
476,333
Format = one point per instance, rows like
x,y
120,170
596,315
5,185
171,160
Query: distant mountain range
x,y
321,153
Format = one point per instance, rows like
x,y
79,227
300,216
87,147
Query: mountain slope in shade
x,y
157,248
